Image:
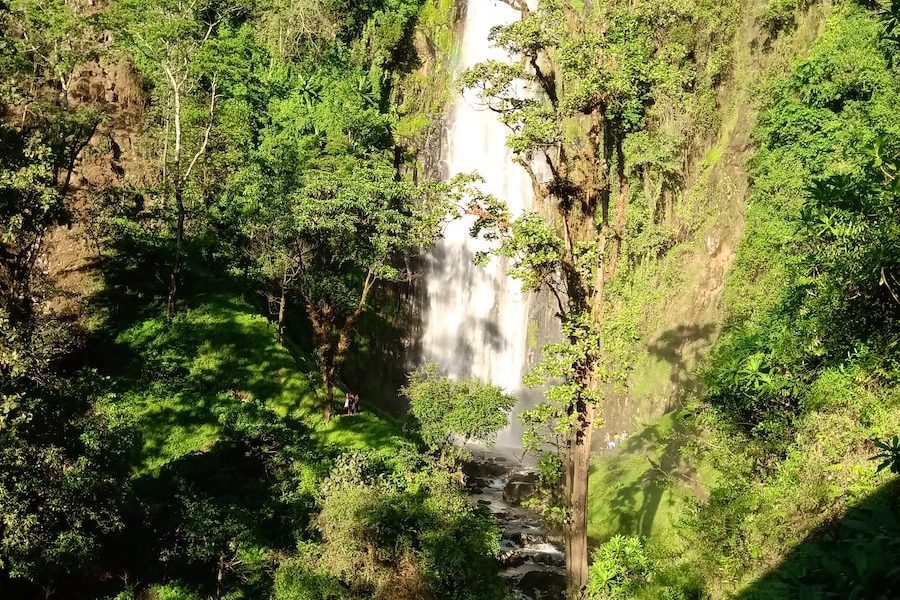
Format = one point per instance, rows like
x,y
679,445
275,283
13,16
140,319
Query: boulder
x,y
476,483
520,487
551,560
513,558
485,469
543,585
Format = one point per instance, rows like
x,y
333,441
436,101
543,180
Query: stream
x,y
532,559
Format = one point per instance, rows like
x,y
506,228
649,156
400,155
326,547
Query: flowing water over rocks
x,y
479,322
532,559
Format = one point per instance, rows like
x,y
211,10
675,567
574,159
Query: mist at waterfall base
x,y
478,321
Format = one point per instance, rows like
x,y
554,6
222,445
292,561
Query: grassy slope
x,y
645,485
175,378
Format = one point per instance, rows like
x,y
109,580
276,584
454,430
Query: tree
x,y
167,40
62,463
444,408
593,72
326,215
296,28
350,229
331,240
31,205
63,471
45,43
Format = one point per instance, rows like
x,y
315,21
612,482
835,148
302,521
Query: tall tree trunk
x,y
282,302
175,86
180,178
570,542
579,471
336,351
176,263
329,397
322,320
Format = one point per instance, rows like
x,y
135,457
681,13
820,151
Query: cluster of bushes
x,y
394,528
264,511
267,513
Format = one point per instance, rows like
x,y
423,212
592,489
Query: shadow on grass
x,y
640,483
195,492
646,476
672,345
199,517
175,377
218,352
855,556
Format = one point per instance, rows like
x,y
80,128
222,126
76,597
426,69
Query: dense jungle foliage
x,y
211,217
801,387
229,163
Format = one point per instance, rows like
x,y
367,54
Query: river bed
x,y
532,559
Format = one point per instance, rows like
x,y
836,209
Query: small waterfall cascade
x,y
476,320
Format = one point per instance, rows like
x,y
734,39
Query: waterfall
x,y
476,321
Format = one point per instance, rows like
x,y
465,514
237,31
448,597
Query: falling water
x,y
477,318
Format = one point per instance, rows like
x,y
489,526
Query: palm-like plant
x,y
309,90
367,92
889,454
890,16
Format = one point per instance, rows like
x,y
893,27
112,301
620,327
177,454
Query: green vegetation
x,y
645,485
801,386
619,568
210,217
393,530
444,408
237,171
805,376
178,377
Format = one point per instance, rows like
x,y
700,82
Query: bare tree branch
x,y
209,124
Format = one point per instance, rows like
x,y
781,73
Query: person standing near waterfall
x,y
351,403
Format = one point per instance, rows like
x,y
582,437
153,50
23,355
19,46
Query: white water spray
x,y
476,322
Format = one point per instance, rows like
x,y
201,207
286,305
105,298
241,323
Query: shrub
x,y
620,569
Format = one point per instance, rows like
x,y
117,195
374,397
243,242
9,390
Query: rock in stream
x,y
532,561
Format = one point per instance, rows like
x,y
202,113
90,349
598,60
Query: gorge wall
x,y
473,321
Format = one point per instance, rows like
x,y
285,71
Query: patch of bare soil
x,y
69,265
71,251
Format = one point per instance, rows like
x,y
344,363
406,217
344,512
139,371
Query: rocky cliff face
x,y
114,89
683,320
